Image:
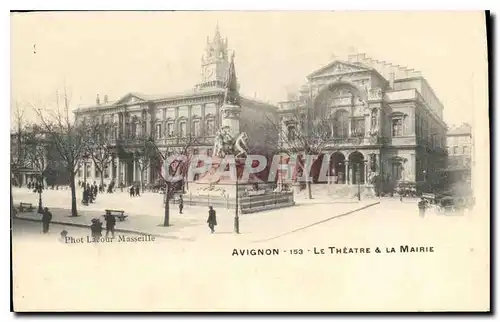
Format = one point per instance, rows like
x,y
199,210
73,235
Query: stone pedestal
x,y
231,118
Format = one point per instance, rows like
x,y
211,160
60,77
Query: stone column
x,y
124,171
366,172
134,173
346,174
117,171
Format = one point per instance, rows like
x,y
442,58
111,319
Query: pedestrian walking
x,y
132,191
46,219
422,204
212,219
137,191
110,224
181,204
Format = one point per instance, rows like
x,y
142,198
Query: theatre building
x,y
385,122
173,118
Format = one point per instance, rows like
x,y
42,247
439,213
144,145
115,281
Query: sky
x,y
114,53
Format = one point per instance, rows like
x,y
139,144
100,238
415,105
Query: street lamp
x,y
39,190
236,216
358,178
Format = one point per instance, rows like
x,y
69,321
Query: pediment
x,y
338,68
130,99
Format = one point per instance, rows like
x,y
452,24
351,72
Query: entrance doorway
x,y
356,161
337,168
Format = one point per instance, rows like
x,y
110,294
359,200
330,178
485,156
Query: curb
x,y
119,230
318,222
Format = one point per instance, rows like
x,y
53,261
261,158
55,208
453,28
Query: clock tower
x,y
214,62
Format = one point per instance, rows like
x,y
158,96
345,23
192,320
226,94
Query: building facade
x,y
33,156
174,119
459,144
385,121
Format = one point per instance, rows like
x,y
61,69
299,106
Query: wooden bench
x,y
26,206
117,213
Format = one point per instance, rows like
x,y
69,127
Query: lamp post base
x,y
40,206
237,224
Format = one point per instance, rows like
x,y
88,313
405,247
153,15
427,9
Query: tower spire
x,y
231,95
217,32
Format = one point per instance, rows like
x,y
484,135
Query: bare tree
x,y
302,132
34,146
20,124
175,168
144,156
99,146
70,139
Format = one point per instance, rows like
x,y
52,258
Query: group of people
x,y
89,192
134,191
35,186
96,226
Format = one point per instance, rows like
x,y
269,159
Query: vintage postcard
x,y
250,161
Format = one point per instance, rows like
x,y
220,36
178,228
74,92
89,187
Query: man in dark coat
x,y
212,219
110,224
422,204
181,204
46,219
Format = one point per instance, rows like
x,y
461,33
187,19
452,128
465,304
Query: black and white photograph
x,y
222,161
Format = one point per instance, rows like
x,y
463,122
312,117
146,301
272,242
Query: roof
x,y
464,129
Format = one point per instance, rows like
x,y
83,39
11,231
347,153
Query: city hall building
x,y
384,121
170,119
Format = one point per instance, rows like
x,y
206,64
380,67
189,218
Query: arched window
x,y
210,125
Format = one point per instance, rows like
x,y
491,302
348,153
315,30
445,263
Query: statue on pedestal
x,y
374,123
228,139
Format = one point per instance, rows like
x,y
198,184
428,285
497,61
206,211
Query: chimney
x,y
97,100
105,99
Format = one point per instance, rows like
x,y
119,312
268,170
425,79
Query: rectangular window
x,y
196,128
291,133
358,127
170,129
211,127
465,149
209,152
397,127
158,131
182,129
455,150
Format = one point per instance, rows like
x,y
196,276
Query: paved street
x,y
146,215
171,274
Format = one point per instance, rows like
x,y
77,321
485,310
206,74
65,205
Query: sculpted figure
x,y
240,145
